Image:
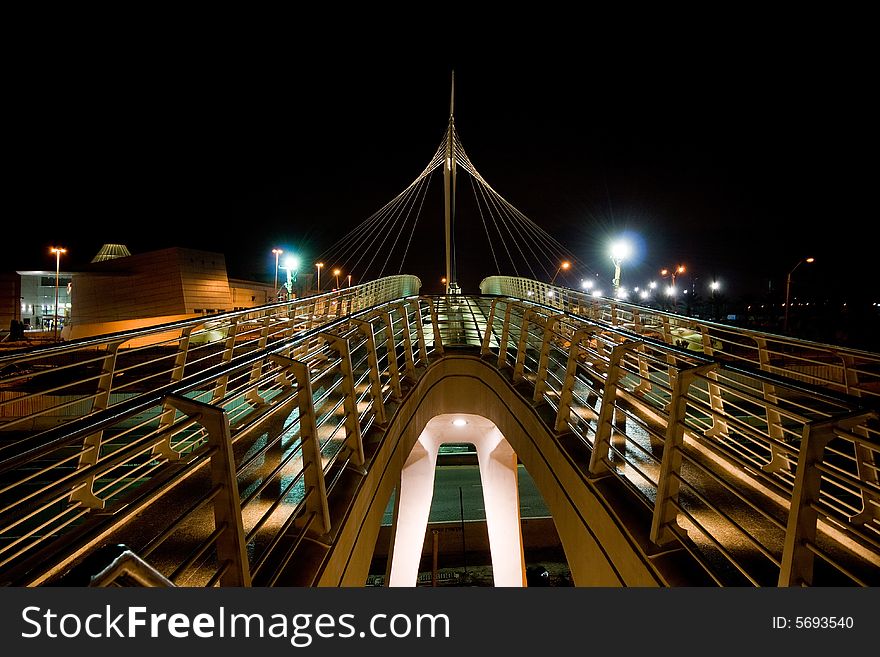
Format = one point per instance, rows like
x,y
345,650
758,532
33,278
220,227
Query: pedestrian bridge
x,y
262,447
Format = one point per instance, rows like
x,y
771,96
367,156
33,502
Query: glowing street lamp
x,y
672,273
349,280
57,250
788,290
336,273
291,264
620,251
319,266
564,265
277,253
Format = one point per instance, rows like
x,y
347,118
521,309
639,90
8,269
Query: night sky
x,y
737,156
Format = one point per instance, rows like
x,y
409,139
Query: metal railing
x,y
44,387
850,371
221,477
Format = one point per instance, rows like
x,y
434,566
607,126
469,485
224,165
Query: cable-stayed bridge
x,y
262,447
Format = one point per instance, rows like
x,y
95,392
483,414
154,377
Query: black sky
x,y
737,154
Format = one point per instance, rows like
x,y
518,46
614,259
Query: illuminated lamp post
x,y
336,273
565,265
678,269
57,250
277,253
788,290
620,251
319,266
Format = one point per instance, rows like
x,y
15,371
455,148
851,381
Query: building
x,y
36,305
151,288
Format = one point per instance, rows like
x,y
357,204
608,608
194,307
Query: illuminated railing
x,y
221,477
260,442
850,371
757,476
44,387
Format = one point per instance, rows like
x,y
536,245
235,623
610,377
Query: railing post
x,y
391,349
408,355
313,464
668,482
566,395
231,545
850,375
604,428
253,395
719,425
353,438
522,345
164,449
373,363
487,336
85,494
778,459
544,356
420,331
505,333
797,558
228,350
438,339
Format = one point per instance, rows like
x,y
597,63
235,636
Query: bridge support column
x,y
797,557
669,482
230,542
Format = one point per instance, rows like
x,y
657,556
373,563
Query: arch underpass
x,y
600,548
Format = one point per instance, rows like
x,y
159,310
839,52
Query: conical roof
x,y
111,251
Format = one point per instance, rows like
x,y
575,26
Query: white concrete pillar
x,y
498,472
416,492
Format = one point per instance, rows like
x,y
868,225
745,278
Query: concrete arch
x,y
497,463
601,551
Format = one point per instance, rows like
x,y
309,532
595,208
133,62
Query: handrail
x,y
299,407
851,371
46,386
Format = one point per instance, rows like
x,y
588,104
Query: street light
x,y
336,273
564,265
291,264
57,250
620,251
788,290
349,280
277,253
319,265
672,273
